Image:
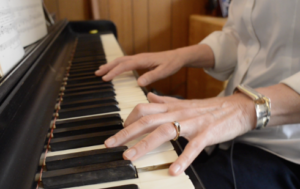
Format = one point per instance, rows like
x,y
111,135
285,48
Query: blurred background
x,y
152,26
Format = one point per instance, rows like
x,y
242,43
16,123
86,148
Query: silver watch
x,y
262,105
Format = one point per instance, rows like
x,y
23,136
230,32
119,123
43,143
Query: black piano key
x,y
81,74
88,88
87,110
89,174
87,64
78,51
88,120
83,70
89,95
87,128
80,65
89,59
91,45
85,80
130,186
78,141
86,84
74,104
80,54
85,158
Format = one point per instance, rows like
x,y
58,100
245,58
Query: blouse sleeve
x,y
224,45
293,82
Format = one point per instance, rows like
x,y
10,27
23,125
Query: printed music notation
x,y
11,50
29,19
22,23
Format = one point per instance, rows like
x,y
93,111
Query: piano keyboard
x,y
87,113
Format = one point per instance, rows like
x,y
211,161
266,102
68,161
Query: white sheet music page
x,y
11,50
30,20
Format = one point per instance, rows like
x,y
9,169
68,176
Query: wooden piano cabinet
x,y
200,84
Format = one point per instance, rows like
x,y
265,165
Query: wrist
x,y
198,56
247,107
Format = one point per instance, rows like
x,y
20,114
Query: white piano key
x,y
111,47
156,159
125,105
172,182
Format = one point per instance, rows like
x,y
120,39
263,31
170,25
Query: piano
x,y
55,115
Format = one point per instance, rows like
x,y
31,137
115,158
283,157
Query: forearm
x,y
198,56
285,104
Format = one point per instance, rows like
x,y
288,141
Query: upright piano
x,y
55,115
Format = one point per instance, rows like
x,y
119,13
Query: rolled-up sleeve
x,y
293,82
224,45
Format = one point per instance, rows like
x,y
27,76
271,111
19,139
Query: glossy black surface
x,y
89,174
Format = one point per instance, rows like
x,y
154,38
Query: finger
x,y
142,110
107,67
153,75
159,99
191,151
120,68
159,136
144,125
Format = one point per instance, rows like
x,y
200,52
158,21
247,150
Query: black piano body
x,y
27,98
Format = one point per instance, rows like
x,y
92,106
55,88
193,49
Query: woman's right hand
x,y
160,65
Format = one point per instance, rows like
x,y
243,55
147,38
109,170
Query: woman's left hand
x,y
203,123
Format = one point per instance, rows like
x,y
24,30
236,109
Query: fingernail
x,y
110,142
130,153
142,81
175,168
104,77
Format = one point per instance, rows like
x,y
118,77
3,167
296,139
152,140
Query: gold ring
x,y
177,127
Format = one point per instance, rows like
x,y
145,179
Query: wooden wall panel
x,y
160,35
140,26
181,11
200,84
120,12
101,9
74,9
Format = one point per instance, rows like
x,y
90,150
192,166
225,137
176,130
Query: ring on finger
x,y
177,127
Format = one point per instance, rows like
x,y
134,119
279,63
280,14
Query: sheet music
x,y
30,20
11,50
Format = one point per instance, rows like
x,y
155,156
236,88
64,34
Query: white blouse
x,y
260,46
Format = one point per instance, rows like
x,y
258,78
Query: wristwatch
x,y
262,105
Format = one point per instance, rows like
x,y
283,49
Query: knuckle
x,y
167,130
140,108
145,120
124,133
185,159
195,144
143,145
209,117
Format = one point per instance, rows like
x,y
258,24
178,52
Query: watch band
x,y
262,105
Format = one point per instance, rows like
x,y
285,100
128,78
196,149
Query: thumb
x,y
153,98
